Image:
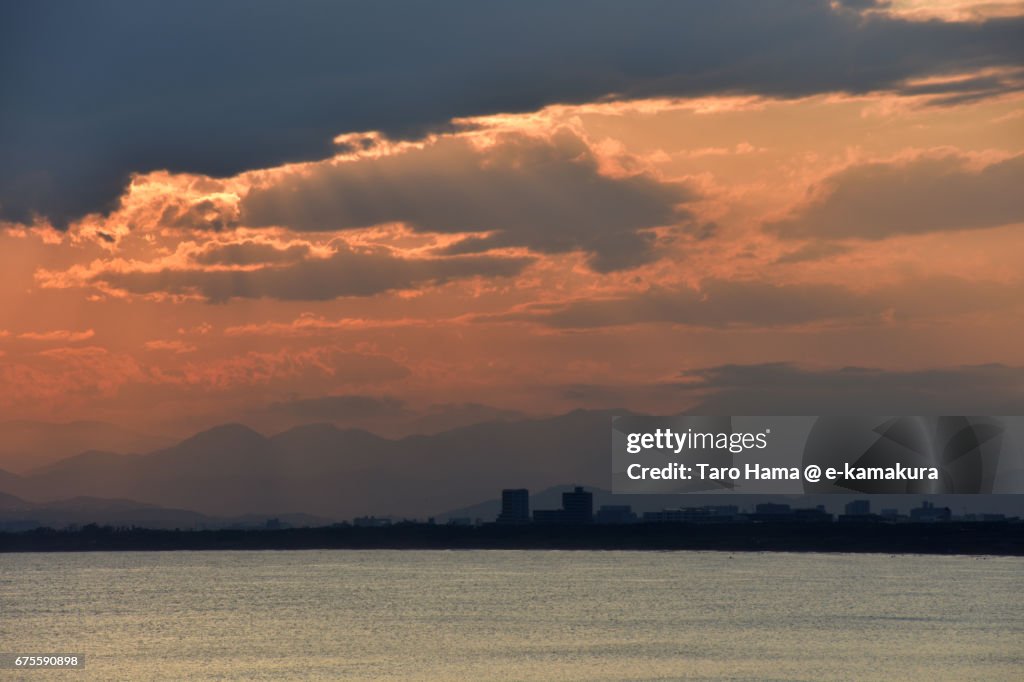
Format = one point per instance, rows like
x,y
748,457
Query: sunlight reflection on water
x,y
542,615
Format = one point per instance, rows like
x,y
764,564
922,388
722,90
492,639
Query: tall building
x,y
515,506
578,506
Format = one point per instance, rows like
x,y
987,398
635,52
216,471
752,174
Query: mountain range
x,y
335,473
27,444
331,473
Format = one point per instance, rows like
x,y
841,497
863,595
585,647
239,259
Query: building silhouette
x,y
928,512
858,508
773,512
816,514
578,509
515,506
578,506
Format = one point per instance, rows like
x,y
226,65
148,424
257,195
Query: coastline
x,y
975,538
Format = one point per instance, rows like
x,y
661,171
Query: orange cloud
x,y
925,194
174,346
58,335
437,299
312,325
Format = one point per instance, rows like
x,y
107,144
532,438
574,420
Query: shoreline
x,y
967,539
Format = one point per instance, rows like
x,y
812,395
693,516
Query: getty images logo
x,y
677,441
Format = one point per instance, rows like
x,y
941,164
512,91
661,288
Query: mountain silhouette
x,y
320,469
10,503
27,445
336,474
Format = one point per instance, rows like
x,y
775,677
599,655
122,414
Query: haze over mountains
x,y
322,471
27,445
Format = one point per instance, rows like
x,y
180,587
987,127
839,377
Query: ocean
x,y
515,615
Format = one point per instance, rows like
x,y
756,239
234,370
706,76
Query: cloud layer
x,y
722,304
346,273
783,388
737,183
927,194
543,193
131,87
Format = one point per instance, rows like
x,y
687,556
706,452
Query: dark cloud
x,y
95,92
250,253
928,194
721,304
863,4
547,195
784,388
347,273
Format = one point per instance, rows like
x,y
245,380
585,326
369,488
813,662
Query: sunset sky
x,y
408,217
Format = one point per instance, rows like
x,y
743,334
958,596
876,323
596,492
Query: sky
x,y
409,216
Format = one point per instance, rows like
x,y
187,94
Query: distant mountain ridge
x,y
320,469
337,474
26,445
17,514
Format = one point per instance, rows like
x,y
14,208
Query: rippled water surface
x,y
534,615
